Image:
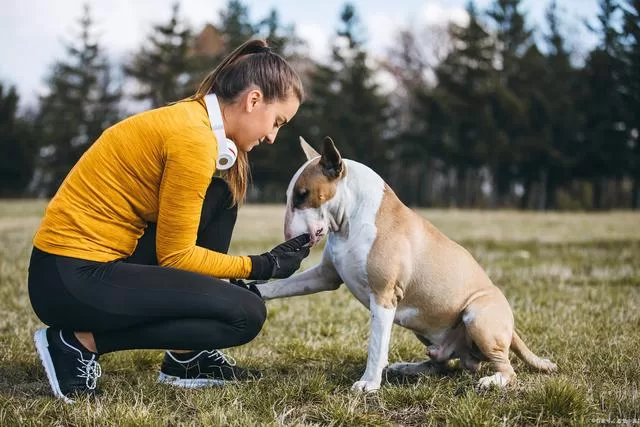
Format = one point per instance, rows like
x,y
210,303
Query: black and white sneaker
x,y
71,371
202,369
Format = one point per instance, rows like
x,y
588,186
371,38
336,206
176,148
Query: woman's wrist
x,y
262,266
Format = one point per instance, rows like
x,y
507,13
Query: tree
x,y
560,90
281,38
631,83
410,61
535,144
235,25
513,40
346,102
81,102
467,134
512,35
604,150
17,144
162,68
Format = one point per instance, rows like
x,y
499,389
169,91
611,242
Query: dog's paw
x,y
548,366
366,386
495,380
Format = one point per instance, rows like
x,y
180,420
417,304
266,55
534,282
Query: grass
x,y
573,280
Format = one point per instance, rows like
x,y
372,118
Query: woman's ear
x,y
252,98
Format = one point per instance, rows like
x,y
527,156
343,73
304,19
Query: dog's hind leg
x,y
469,362
426,367
489,329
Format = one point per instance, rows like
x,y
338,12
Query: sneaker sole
x,y
189,383
42,346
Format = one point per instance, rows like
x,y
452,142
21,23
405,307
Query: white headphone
x,y
227,150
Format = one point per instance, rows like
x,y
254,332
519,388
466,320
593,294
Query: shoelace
x,y
217,355
90,370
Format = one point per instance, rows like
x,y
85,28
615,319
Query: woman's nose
x,y
271,138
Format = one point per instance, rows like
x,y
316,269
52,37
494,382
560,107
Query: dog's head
x,y
311,189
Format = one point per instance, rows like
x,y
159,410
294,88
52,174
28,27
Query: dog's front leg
x,y
378,357
322,277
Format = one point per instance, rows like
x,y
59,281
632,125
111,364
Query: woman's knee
x,y
256,315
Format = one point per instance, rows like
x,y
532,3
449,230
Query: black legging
x,y
135,304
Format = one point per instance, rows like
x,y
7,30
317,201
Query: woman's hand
x,y
281,261
250,286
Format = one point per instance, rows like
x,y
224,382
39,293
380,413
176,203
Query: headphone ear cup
x,y
227,154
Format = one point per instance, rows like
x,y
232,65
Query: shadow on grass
x,y
23,379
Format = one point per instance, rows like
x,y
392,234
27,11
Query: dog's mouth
x,y
316,237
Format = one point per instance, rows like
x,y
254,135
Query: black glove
x,y
281,261
250,286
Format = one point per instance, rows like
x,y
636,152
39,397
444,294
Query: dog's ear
x,y
308,149
330,162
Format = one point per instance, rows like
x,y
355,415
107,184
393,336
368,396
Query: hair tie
x,y
258,49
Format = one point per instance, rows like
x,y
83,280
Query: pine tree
x,y
409,61
162,68
17,145
604,151
281,38
82,101
235,24
561,91
535,145
513,39
631,83
462,101
345,100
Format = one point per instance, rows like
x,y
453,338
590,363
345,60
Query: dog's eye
x,y
300,197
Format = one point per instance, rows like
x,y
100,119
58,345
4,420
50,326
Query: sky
x,y
33,31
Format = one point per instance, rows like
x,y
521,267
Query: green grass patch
x,y
573,281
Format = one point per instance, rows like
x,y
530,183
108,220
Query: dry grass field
x,y
573,280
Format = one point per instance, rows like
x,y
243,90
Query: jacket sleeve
x,y
188,170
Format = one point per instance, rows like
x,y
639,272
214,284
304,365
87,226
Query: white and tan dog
x,y
399,266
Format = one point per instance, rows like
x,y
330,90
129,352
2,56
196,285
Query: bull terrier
x,y
399,266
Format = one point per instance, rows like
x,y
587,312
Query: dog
x,y
402,268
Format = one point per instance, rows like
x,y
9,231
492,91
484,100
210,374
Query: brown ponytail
x,y
252,63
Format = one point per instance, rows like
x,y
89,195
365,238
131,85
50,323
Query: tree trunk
x,y
551,201
462,187
542,200
472,178
425,187
526,195
635,193
597,188
619,202
453,187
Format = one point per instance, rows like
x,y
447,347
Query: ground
x,y
573,280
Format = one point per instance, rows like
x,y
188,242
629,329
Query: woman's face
x,y
255,121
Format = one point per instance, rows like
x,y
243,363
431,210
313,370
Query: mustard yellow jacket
x,y
151,167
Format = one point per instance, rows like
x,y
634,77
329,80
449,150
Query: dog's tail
x,y
522,351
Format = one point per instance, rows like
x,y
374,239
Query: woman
x,y
132,248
